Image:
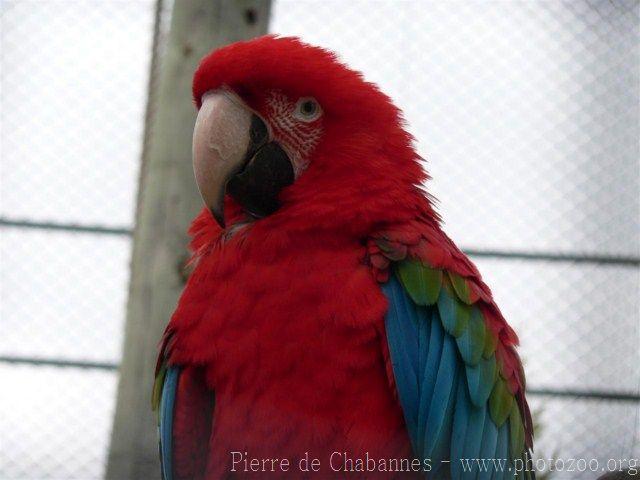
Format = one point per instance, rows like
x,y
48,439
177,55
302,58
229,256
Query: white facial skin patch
x,y
297,137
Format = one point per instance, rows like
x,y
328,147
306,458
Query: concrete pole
x,y
167,201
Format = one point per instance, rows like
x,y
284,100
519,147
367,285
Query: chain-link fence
x,y
527,114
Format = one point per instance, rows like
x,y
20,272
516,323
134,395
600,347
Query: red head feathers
x,y
355,164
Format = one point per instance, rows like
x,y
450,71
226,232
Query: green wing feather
x,y
422,283
500,401
158,383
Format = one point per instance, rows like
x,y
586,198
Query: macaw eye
x,y
307,109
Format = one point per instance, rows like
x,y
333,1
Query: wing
x,y
185,412
458,378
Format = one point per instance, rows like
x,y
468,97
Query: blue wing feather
x,y
167,404
433,353
402,333
475,430
460,422
480,379
439,418
502,452
471,351
488,447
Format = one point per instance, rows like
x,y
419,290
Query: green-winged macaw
x,y
328,317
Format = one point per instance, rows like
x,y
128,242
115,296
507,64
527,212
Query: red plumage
x,y
285,318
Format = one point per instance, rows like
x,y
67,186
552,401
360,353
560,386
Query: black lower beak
x,y
257,186
258,136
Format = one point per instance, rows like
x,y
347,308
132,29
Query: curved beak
x,y
231,154
221,138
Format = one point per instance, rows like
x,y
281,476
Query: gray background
x,y
527,114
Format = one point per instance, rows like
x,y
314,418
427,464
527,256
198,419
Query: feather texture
x,y
184,406
165,426
456,403
488,447
481,379
486,342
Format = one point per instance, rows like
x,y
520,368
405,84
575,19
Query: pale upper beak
x,y
221,140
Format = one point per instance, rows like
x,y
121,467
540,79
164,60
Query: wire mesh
x,y
55,422
74,83
527,114
67,297
74,79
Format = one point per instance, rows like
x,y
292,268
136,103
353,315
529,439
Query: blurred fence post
x,y
167,201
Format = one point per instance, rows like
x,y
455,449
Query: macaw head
x,y
286,131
